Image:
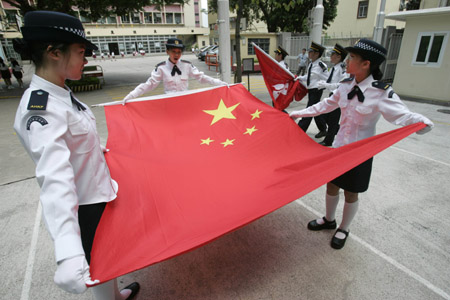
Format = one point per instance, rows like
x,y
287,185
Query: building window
x,y
362,9
430,48
178,18
169,18
148,17
125,19
262,43
157,18
136,18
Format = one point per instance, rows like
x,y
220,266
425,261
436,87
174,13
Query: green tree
x,y
93,9
292,16
284,15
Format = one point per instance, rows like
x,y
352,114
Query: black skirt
x,y
88,218
357,179
5,74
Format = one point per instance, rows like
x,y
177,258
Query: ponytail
x,y
376,72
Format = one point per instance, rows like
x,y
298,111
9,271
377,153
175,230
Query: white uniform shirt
x,y
359,119
318,72
70,166
172,84
283,64
338,74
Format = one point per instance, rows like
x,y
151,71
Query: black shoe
x,y
339,243
313,225
134,287
323,143
321,134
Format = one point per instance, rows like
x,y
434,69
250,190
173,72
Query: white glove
x,y
104,149
429,124
128,97
322,84
72,275
295,114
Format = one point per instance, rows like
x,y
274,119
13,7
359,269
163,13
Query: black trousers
x,y
332,120
314,96
88,219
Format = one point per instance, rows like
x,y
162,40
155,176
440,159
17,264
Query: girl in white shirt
x,y
362,100
59,133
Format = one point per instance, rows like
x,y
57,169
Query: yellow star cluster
x,y
224,112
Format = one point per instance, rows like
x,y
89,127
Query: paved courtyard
x,y
399,246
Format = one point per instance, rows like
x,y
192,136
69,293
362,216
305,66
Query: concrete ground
x,y
399,246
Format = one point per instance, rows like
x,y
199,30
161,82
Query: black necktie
x,y
175,70
308,80
356,91
78,104
331,75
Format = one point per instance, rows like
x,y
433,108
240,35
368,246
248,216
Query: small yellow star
x,y
207,141
228,142
250,130
221,112
256,114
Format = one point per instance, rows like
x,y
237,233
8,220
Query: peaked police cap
x,y
369,50
52,26
174,43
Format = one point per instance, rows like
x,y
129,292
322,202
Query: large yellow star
x,y
250,130
228,142
206,141
256,114
222,112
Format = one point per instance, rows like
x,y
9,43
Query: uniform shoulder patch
x,y
38,100
38,119
347,80
186,61
391,93
323,66
160,64
380,85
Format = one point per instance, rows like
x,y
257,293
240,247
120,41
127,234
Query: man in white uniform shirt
x,y
174,73
317,71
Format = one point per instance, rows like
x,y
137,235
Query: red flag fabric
x,y
281,83
194,167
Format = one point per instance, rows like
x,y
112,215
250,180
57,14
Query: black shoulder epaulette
x,y
38,100
323,66
391,93
380,85
160,64
186,61
347,80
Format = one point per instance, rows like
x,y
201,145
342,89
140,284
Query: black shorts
x,y
88,218
357,179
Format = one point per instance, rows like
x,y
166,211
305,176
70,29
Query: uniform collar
x,y
171,64
363,85
62,94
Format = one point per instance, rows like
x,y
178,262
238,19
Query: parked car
x,y
202,54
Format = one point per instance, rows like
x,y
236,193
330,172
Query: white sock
x,y
349,213
125,293
109,291
331,203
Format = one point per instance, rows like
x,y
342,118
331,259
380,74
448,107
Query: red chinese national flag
x,y
193,167
280,82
